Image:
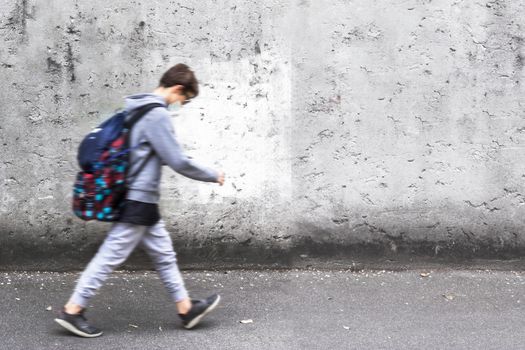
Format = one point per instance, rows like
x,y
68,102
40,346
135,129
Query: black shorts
x,y
139,213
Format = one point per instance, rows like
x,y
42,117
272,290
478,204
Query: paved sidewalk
x,y
294,309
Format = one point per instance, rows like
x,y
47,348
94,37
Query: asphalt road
x,y
294,309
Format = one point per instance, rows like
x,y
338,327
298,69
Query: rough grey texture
x,y
295,309
345,127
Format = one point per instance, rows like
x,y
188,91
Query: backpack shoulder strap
x,y
139,113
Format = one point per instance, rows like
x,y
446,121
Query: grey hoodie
x,y
154,132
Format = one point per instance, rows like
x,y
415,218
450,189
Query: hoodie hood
x,y
138,100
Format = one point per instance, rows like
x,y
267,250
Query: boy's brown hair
x,y
181,74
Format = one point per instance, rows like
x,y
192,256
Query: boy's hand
x,y
220,178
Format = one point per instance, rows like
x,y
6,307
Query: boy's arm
x,y
159,133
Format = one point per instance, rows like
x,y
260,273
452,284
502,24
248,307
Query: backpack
x,y
103,156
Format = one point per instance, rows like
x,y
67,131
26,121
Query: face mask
x,y
174,107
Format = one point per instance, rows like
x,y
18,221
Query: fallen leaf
x,y
449,296
246,321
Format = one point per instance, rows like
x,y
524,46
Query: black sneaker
x,y
77,324
198,309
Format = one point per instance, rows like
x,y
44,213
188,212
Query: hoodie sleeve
x,y
161,136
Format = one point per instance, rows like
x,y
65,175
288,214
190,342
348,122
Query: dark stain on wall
x,y
70,62
53,66
18,17
519,61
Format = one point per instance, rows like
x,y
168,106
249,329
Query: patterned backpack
x,y
103,156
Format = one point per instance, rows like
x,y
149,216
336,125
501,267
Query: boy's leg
x,y
120,242
157,243
118,245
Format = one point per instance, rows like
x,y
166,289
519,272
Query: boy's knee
x,y
112,259
166,258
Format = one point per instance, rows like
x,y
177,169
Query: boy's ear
x,y
177,89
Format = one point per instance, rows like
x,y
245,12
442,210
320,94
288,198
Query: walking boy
x,y
154,144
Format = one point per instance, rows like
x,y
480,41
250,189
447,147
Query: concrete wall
x,y
346,128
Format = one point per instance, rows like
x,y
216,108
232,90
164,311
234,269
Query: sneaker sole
x,y
197,319
74,330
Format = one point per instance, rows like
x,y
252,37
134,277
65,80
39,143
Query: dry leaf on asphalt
x,y
449,296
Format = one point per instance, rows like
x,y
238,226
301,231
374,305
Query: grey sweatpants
x,y
118,245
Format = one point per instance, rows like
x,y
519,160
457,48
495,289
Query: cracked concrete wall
x,y
346,128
